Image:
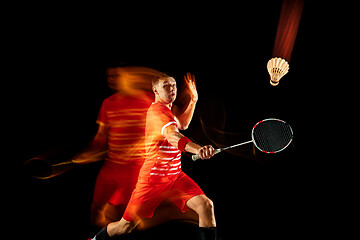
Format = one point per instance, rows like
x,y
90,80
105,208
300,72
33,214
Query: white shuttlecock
x,y
277,68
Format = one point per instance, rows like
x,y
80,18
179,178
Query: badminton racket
x,y
270,135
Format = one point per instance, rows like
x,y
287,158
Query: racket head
x,y
272,135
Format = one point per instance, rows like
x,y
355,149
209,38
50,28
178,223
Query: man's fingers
x,y
211,151
206,152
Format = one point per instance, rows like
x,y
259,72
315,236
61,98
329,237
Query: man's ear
x,y
154,90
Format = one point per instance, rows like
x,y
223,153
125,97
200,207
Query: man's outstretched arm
x,y
175,138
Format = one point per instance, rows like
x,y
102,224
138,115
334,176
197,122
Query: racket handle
x,y
197,157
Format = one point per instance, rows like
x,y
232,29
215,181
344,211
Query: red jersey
x,y
160,176
163,161
125,118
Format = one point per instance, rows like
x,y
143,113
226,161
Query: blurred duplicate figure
x,y
120,140
161,176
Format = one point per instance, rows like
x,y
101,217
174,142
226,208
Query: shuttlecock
x,y
277,68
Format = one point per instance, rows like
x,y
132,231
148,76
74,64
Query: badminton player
x,y
161,176
120,135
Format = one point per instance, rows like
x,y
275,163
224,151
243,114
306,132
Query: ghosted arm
x,y
97,148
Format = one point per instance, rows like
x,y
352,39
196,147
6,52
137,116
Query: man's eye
x,y
112,76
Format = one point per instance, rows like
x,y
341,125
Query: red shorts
x,y
148,196
115,183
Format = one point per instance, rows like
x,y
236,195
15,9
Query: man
x,y
120,137
161,176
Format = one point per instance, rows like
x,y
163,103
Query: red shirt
x,y
125,118
163,161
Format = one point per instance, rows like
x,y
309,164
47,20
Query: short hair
x,y
156,80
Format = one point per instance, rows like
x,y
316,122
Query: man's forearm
x,y
184,117
189,147
192,147
173,136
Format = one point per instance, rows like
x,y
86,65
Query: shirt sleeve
x,y
167,119
102,118
162,117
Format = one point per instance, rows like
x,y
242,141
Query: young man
x,y
120,137
161,176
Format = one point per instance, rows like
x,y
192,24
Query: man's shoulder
x,y
158,108
111,98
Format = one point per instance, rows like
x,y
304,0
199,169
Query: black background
x,y
61,54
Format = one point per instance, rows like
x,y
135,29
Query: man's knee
x,y
121,227
201,204
126,226
113,213
208,205
97,214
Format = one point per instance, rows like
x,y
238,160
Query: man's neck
x,y
168,105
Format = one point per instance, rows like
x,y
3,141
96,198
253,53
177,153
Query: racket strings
x,y
272,135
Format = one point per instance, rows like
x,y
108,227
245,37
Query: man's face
x,y
116,78
166,90
113,74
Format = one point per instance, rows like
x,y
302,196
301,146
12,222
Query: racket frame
x,y
196,157
271,119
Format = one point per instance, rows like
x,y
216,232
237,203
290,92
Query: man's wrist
x,y
182,143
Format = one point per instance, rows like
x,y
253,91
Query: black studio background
x,y
61,54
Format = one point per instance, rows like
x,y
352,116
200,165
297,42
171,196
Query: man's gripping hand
x,y
206,152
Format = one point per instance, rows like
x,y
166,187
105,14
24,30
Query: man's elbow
x,y
183,126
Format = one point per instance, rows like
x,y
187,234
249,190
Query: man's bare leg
x,y
204,207
121,227
167,211
116,230
98,217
